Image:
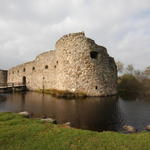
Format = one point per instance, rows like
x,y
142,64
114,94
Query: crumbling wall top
x,y
69,36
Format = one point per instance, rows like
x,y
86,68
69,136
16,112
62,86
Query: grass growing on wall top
x,y
18,133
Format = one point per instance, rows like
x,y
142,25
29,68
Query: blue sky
x,y
30,27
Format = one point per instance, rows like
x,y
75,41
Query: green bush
x,y
129,84
146,86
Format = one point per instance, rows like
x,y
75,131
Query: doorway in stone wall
x,y
24,80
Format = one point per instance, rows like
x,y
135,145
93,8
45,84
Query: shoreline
x,y
22,133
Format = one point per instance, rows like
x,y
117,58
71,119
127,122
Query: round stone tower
x,y
83,66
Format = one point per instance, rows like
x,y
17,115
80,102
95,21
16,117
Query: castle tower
x,y
83,66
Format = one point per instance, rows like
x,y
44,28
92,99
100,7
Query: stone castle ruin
x,y
77,65
3,77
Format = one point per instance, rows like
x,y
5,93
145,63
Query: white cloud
x,y
30,27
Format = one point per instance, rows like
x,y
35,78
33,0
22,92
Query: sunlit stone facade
x,y
77,64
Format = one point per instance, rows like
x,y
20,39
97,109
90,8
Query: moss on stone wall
x,y
62,94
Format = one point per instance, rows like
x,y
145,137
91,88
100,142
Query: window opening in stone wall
x,y
33,68
46,67
96,87
57,61
18,71
13,72
93,54
55,66
24,69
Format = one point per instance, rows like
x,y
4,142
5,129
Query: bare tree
x,y
147,72
130,69
139,75
120,66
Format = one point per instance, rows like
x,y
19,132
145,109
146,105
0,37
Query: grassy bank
x,y
18,133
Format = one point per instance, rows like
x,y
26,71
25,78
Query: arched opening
x,y
24,80
93,54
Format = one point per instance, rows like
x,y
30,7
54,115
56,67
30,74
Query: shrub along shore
x,y
19,133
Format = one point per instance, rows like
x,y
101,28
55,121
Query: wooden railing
x,y
5,85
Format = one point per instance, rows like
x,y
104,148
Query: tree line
x,y
133,81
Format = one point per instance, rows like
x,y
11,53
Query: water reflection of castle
x,y
90,113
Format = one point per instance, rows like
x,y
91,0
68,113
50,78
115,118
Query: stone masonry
x,y
77,64
3,76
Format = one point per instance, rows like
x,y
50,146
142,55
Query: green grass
x,y
18,133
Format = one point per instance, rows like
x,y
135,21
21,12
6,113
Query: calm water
x,y
98,114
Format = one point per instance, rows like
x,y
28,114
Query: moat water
x,y
93,113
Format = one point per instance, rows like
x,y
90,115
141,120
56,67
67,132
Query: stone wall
x,y
39,74
3,76
77,64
